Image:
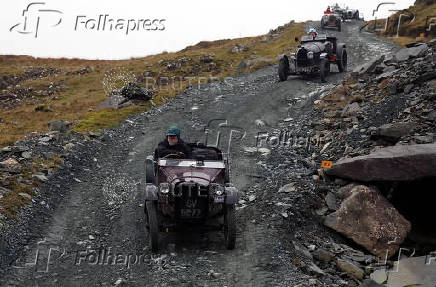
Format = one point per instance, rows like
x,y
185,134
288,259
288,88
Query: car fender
x,y
150,192
232,195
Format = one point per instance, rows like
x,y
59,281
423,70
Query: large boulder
x,y
371,221
134,91
395,163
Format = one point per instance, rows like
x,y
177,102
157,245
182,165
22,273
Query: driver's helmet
x,y
173,131
312,32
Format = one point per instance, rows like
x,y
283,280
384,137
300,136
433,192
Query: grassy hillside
x,y
35,91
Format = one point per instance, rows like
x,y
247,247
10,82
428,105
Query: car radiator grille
x,y
302,60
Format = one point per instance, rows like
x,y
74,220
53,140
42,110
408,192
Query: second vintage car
x,y
331,21
314,56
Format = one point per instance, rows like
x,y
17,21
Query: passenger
x,y
173,144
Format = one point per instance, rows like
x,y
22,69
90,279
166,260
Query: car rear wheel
x,y
229,226
153,229
283,69
324,69
342,62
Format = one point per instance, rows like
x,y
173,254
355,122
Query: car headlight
x,y
310,55
164,187
292,56
218,189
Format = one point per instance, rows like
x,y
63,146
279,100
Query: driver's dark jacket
x,y
164,149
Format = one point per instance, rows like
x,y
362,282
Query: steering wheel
x,y
176,155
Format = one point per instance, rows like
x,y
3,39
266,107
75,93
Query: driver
x,y
173,144
328,11
312,32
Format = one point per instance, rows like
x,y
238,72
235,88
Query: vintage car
x,y
185,191
314,56
351,14
331,21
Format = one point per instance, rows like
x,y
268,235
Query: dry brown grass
x,y
84,93
13,202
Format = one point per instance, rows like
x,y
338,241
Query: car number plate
x,y
190,212
219,198
331,23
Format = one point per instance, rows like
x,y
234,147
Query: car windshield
x,y
319,37
192,163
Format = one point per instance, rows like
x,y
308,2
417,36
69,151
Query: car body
x,y
331,21
346,13
182,191
351,14
314,55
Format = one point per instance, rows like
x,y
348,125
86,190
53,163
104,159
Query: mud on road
x,y
98,212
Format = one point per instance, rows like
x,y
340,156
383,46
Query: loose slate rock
x,y
393,132
370,283
351,269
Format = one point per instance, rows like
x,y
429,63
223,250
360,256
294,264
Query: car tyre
x,y
229,226
324,69
283,69
342,62
153,230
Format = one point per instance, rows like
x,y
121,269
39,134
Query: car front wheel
x,y
283,69
342,62
230,226
153,230
324,69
